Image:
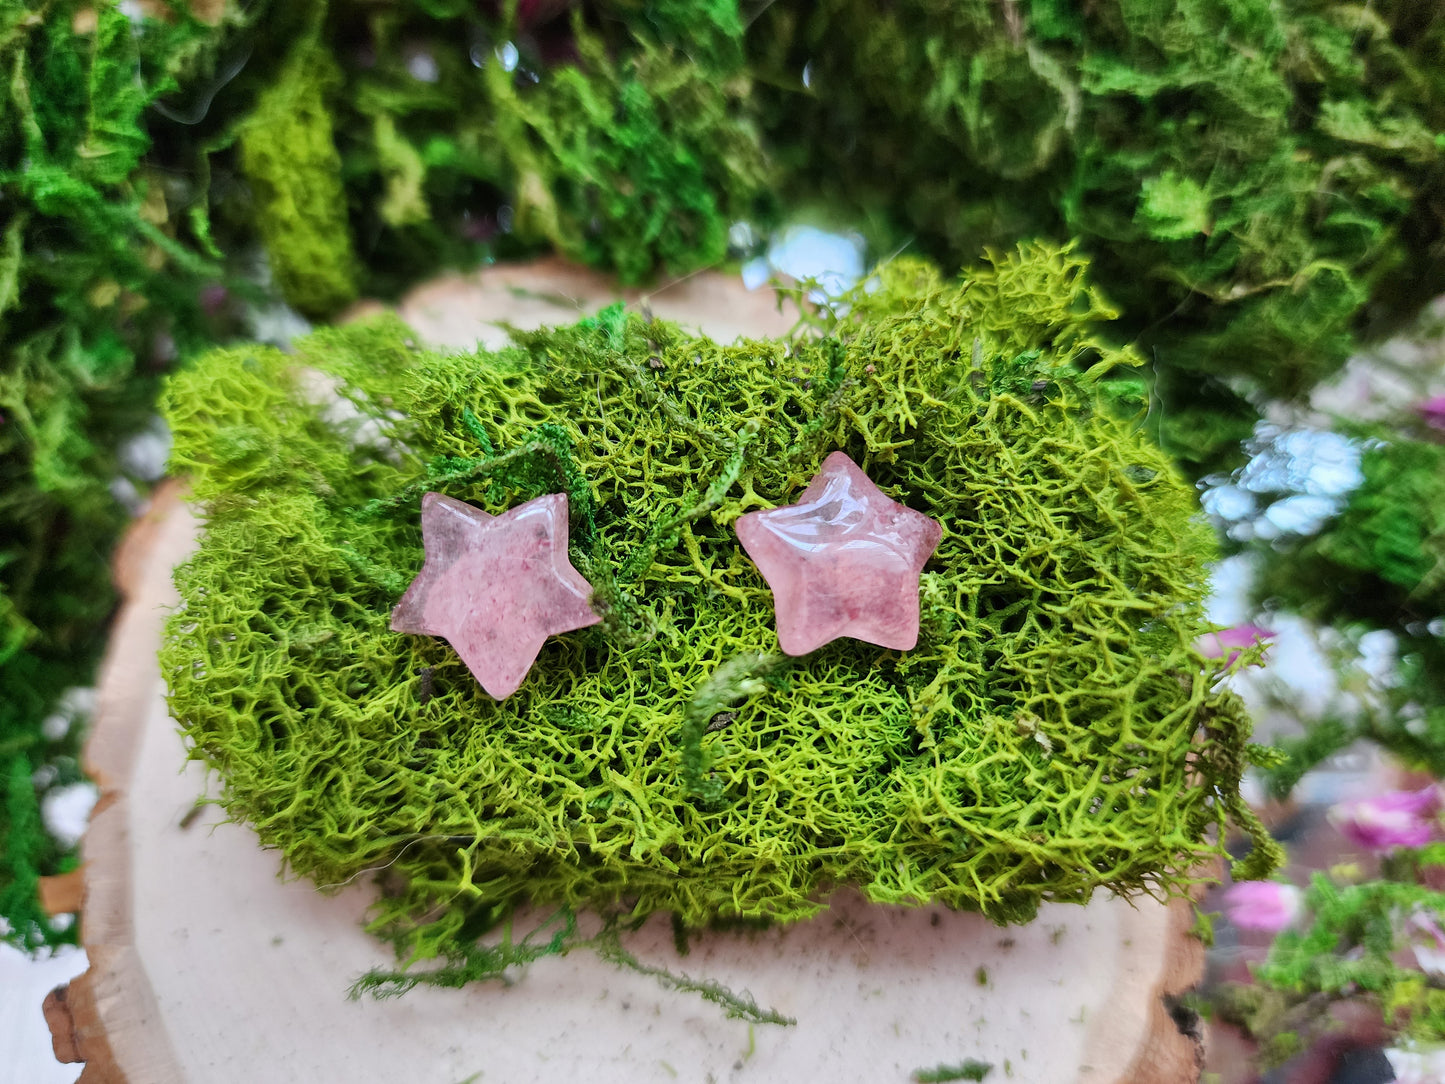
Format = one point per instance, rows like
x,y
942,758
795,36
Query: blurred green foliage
x,y
1379,564
1353,946
1256,181
100,282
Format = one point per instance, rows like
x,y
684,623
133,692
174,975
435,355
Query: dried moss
x,y
97,291
1392,529
971,1069
1257,181
645,161
288,153
1054,734
629,147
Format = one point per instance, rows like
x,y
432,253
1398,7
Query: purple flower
x,y
1263,905
1432,411
1230,641
1400,818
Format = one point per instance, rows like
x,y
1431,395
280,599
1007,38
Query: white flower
x,y
1425,1066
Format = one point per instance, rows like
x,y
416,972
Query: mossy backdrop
x,y
1256,181
1258,184
1055,733
100,290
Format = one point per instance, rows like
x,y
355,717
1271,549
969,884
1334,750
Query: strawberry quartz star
x,y
495,586
843,561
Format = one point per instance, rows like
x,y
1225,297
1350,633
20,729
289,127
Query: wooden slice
x,y
205,967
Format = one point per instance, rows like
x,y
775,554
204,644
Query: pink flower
x,y
1432,411
1400,818
1263,905
1214,644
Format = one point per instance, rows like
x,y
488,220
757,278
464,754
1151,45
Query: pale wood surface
x,y
462,310
207,968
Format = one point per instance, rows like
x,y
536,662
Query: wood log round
x,y
206,967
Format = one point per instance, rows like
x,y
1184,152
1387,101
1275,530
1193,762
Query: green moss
x,y
1393,526
644,161
98,287
635,154
20,858
1386,547
1255,180
1054,733
708,32
965,1070
289,155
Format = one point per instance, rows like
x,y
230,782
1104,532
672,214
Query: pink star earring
x,y
843,561
495,586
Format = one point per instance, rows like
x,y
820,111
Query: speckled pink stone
x,y
495,586
843,561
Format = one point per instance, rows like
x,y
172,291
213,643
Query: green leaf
x,y
1173,207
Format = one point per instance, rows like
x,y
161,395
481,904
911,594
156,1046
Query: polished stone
x,y
495,586
843,561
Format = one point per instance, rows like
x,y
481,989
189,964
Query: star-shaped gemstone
x,y
495,586
843,561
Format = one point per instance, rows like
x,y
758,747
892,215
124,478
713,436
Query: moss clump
x,y
1392,530
1054,733
99,285
629,146
965,1070
288,154
641,164
1256,180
